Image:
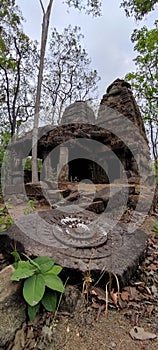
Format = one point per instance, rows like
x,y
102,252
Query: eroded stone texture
x,y
116,104
70,299
79,112
12,306
62,167
120,98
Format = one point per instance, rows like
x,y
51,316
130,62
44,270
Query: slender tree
x,y
44,35
17,56
68,76
145,81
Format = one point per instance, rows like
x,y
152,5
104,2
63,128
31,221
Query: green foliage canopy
x,y
18,54
145,80
10,19
89,6
138,8
68,75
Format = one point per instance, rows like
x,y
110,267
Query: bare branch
x,y
41,3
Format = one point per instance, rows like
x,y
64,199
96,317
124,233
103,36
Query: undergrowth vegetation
x,y
41,282
5,220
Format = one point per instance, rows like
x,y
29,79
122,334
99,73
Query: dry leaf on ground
x,y
149,310
114,297
125,296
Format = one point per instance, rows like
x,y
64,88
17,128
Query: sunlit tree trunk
x,y
44,36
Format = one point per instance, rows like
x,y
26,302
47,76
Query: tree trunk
x,y
44,35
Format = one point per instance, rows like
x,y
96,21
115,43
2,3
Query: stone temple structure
x,y
101,148
111,149
95,233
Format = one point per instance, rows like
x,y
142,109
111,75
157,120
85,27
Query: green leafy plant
x,y
30,207
5,223
41,282
155,228
4,210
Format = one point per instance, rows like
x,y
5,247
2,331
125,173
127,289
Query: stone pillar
x,y
47,167
13,177
17,171
63,168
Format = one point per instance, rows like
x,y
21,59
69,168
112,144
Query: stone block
x,y
12,189
70,299
12,306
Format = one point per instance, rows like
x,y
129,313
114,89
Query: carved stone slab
x,y
81,241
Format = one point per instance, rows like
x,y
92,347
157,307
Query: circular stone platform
x,y
81,241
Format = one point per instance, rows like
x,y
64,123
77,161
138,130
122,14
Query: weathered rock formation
x,y
119,112
119,97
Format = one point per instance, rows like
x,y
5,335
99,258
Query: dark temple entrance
x,y
80,169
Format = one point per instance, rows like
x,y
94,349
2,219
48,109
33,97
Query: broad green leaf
x,y
16,256
24,270
49,300
33,289
2,228
53,282
56,269
15,264
31,261
45,263
9,206
155,229
32,311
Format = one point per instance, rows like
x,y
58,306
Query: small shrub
x,y
4,210
5,223
30,207
41,282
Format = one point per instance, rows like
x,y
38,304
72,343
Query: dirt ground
x,y
82,332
